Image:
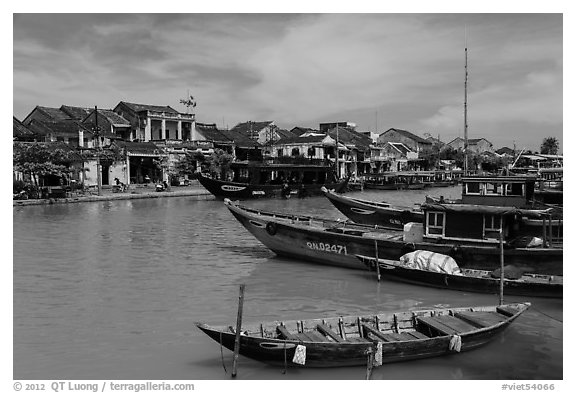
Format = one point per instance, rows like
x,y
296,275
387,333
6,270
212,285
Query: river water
x,y
111,290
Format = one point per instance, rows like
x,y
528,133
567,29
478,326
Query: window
x,y
295,152
280,152
472,188
493,189
491,226
515,189
435,223
311,152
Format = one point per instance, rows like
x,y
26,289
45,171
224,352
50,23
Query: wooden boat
x,y
261,180
336,243
470,280
383,181
373,213
369,339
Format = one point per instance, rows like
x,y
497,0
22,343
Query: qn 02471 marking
x,y
335,248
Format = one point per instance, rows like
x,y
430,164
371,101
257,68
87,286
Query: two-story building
x,y
156,123
414,142
478,145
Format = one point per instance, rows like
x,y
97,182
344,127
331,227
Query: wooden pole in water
x,y
377,262
501,263
238,329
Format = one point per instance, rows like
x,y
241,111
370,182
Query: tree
x,y
550,145
38,160
219,162
189,163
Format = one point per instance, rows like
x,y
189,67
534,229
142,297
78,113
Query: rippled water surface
x,y
111,290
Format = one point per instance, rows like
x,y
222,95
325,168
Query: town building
x,y
412,141
478,146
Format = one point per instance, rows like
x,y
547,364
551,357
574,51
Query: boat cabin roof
x,y
483,209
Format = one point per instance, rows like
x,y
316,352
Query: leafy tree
x,y
189,163
550,145
38,160
219,162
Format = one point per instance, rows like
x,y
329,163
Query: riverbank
x,y
194,190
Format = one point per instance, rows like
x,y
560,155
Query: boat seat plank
x,y
329,332
505,310
357,339
480,318
417,335
374,332
285,333
460,325
317,336
435,324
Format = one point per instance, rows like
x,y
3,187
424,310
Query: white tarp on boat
x,y
430,261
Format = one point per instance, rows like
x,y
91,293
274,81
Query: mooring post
x,y
501,263
238,329
377,262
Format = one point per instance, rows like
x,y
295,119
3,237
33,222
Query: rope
x,y
543,313
285,361
222,354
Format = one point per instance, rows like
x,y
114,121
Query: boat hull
x,y
227,189
307,240
549,287
373,213
256,344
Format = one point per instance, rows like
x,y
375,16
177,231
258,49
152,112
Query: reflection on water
x,y
111,290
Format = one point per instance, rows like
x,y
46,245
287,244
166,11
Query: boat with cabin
x,y
456,230
247,180
368,340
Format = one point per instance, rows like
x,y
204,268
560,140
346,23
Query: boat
x,y
517,283
368,340
549,188
383,181
373,213
249,180
336,242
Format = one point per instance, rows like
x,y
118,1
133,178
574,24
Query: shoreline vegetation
x,y
107,194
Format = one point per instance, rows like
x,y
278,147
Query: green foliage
x,y
37,159
550,145
219,162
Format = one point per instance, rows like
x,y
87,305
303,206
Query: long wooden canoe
x,y
363,211
378,338
337,243
470,280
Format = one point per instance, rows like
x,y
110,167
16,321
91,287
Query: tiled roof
x,y
113,117
410,135
251,126
60,128
284,133
54,113
349,136
301,130
240,139
145,107
19,130
76,112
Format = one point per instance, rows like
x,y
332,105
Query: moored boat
x,y
372,340
517,283
337,243
373,213
249,180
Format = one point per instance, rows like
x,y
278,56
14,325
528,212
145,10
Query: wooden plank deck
x,y
481,319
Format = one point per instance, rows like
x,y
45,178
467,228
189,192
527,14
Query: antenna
x,y
465,101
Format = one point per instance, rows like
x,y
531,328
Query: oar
x,y
238,329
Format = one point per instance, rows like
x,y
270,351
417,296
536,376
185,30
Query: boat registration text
x,y
337,249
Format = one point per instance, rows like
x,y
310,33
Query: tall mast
x,y
337,159
465,108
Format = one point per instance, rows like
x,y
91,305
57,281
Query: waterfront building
x,y
412,141
478,145
263,132
156,123
21,132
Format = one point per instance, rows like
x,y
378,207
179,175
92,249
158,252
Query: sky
x,y
377,70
